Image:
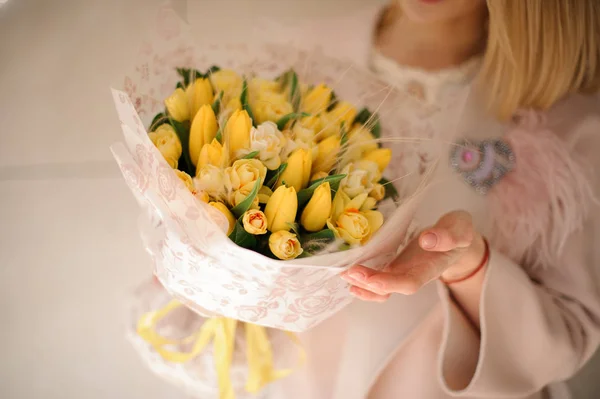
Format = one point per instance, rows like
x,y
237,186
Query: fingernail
x,y
429,241
356,276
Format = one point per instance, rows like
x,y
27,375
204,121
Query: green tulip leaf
x,y
239,210
241,237
183,132
244,101
216,105
158,120
333,102
219,136
295,96
306,194
390,190
252,155
273,176
286,118
370,121
211,70
189,75
344,136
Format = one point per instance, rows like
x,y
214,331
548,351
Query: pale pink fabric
x,y
539,325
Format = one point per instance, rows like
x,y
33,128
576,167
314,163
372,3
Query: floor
x,y
69,248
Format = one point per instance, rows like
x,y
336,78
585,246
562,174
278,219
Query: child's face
x,y
439,10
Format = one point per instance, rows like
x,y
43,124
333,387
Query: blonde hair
x,y
538,51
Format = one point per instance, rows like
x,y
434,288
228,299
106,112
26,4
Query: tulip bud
x,y
225,211
177,105
211,154
285,245
381,156
369,204
345,113
202,131
255,222
167,142
378,192
327,156
317,211
317,100
203,196
199,93
226,80
319,175
281,209
297,172
187,180
237,132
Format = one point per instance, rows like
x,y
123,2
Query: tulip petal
x,y
375,219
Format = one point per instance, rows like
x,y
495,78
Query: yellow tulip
x,y
316,100
178,106
187,180
344,112
378,192
319,175
203,130
255,222
381,156
369,204
165,139
350,221
270,106
297,173
311,122
317,211
226,80
281,209
257,85
225,211
237,133
199,93
203,196
360,142
285,245
327,156
211,154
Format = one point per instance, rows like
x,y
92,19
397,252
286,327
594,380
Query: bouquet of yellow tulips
x,y
291,166
260,180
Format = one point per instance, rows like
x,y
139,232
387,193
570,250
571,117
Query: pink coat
x,y
540,305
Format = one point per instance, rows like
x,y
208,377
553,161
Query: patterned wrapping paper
x,y
197,377
194,260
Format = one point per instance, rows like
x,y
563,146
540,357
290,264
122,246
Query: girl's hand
x,y
451,249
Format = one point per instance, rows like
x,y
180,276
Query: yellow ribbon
x,y
221,330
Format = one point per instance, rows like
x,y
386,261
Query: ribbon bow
x,y
221,331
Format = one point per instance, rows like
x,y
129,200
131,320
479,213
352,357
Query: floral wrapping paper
x,y
198,377
194,259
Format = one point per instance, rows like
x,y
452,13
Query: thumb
x,y
453,230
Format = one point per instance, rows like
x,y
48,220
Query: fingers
x,y
366,295
361,277
413,269
454,230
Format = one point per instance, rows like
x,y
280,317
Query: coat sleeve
x,y
533,330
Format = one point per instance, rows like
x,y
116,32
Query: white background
x,y
69,249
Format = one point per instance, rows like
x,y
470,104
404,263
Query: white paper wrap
x,y
197,377
194,260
